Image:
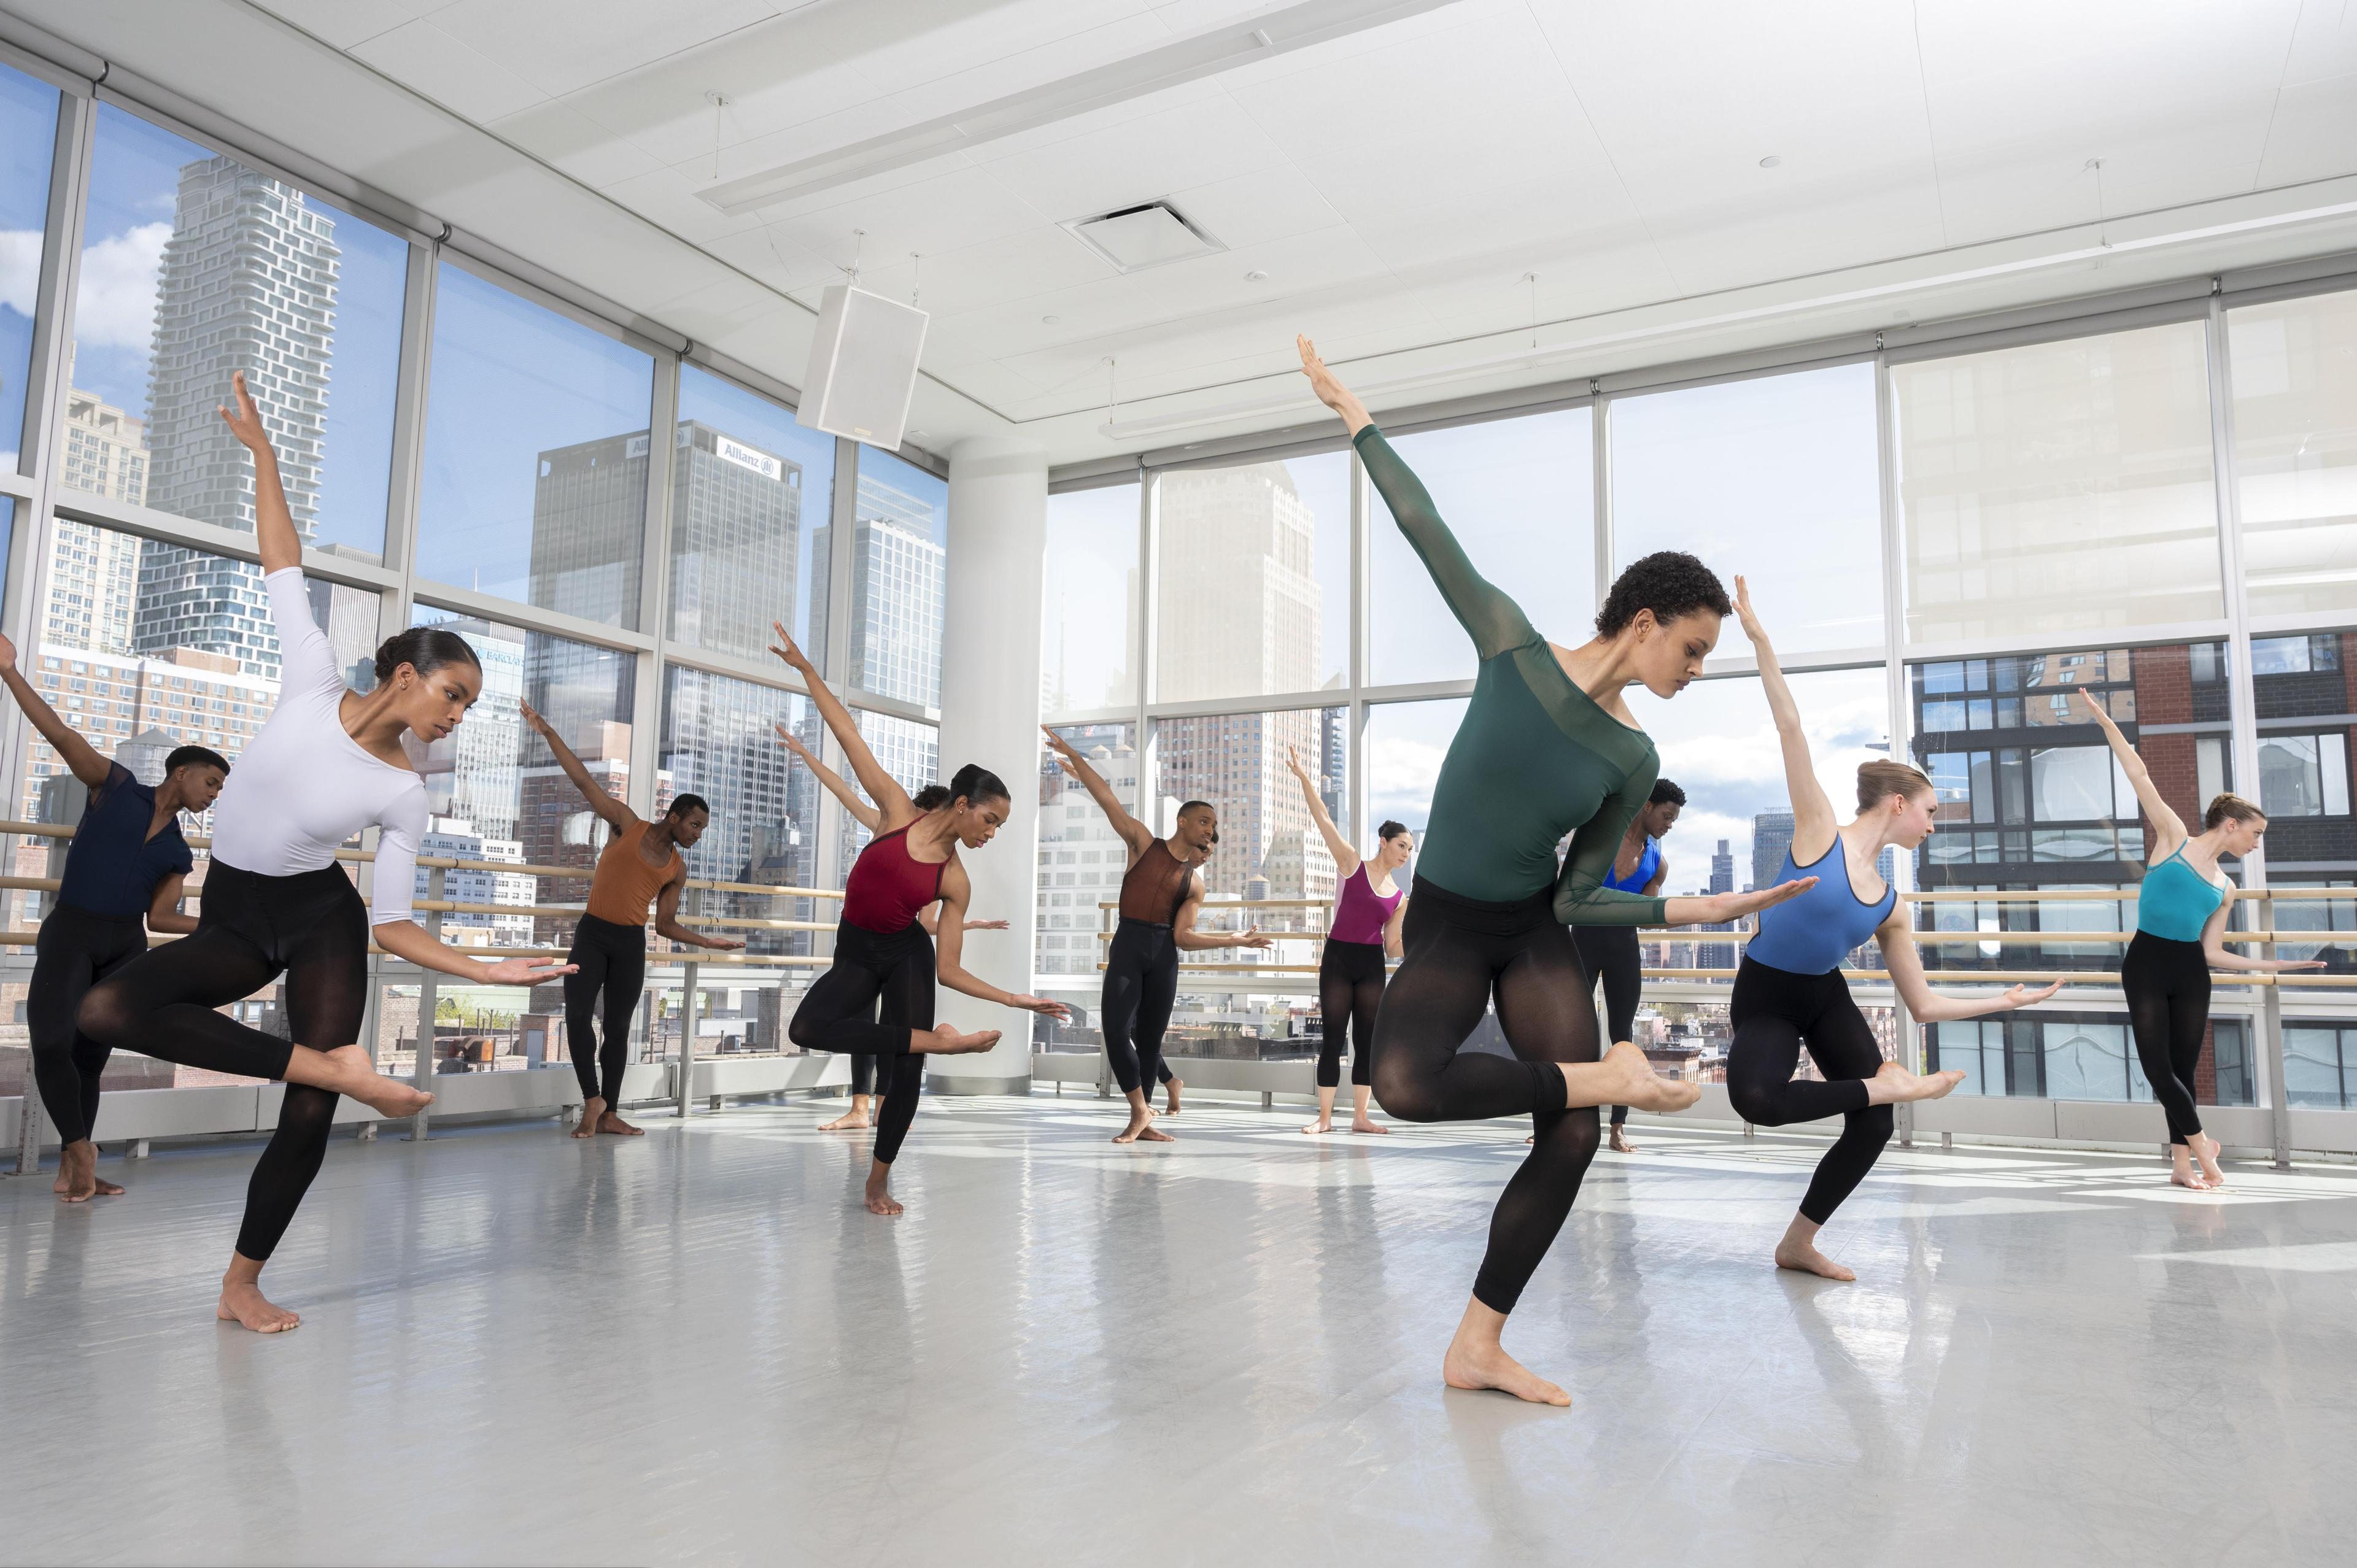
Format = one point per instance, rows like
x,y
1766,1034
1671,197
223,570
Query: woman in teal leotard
x,y
1546,747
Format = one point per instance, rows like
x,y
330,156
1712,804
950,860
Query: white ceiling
x,y
1396,187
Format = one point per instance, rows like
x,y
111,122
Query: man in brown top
x,y
1160,897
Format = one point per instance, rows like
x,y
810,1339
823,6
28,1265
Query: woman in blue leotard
x,y
1610,952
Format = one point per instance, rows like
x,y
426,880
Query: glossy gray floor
x,y
695,1346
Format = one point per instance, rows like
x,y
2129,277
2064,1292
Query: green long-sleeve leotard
x,y
1536,757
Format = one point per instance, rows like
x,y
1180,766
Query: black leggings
x,y
612,958
1461,954
310,927
1141,984
839,1013
1350,991
1774,1012
75,951
2167,987
1610,955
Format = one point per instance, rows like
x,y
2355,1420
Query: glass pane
x,y
2059,487
2312,1074
535,485
899,547
29,134
496,781
910,752
1521,497
193,266
1082,860
2294,375
2304,764
719,742
1254,589
1269,847
1087,604
1776,477
1406,742
751,492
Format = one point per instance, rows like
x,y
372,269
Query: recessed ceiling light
x,y
1770,161
1255,275
1049,320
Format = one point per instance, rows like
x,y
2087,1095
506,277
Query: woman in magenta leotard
x,y
1361,932
881,951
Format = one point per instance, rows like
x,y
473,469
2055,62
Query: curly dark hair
x,y
1670,583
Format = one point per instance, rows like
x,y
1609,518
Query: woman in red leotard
x,y
881,952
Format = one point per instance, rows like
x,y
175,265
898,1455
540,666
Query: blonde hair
x,y
1878,779
2223,806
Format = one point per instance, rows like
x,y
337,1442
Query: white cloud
x,y
116,307
1400,774
21,269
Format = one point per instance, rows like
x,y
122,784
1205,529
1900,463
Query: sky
x,y
28,124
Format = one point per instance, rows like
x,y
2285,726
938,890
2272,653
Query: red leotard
x,y
888,885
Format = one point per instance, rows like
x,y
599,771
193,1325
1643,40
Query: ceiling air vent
x,y
1135,238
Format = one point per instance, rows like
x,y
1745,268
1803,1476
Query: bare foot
x,y
880,1193
849,1122
2186,1177
1323,1124
1639,1087
243,1303
357,1076
593,1110
947,1042
2205,1149
1804,1258
1170,1095
1488,1366
77,1173
610,1123
1902,1085
1360,1124
105,1188
1620,1142
1141,1129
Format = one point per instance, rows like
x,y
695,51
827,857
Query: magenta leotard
x,y
1359,913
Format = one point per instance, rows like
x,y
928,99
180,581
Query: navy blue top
x,y
1647,863
1810,934
113,866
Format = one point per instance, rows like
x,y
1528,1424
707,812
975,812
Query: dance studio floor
x,y
697,1348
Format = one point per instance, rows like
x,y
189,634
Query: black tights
x,y
1141,984
75,951
612,958
1461,954
1774,1013
312,927
2167,987
1350,993
1610,954
840,1013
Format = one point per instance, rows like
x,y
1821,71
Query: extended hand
x,y
246,422
525,971
1323,382
1744,613
1251,938
2299,963
985,925
1040,1004
723,944
531,716
2022,997
1735,905
786,738
787,648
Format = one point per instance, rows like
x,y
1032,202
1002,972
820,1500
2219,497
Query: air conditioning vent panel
x,y
1152,234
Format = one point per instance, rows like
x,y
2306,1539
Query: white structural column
x,y
990,714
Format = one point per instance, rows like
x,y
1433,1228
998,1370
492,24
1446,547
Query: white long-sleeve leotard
x,y
304,785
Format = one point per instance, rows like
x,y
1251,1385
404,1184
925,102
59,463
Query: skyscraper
x,y
718,743
106,450
474,775
588,528
736,530
247,283
897,574
1771,836
1719,955
1081,859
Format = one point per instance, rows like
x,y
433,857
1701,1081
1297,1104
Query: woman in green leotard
x,y
1546,747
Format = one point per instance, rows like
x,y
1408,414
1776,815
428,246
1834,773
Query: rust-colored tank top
x,y
1154,886
623,889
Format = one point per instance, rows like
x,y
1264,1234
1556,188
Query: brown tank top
x,y
1155,886
623,889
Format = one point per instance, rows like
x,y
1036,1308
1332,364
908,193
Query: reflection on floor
x,y
695,1346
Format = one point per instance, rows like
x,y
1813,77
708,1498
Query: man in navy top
x,y
122,878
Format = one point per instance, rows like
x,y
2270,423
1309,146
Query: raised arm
x,y
867,816
1813,821
891,801
1925,1005
1494,621
1346,854
79,756
615,815
1133,833
949,958
273,525
2168,827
